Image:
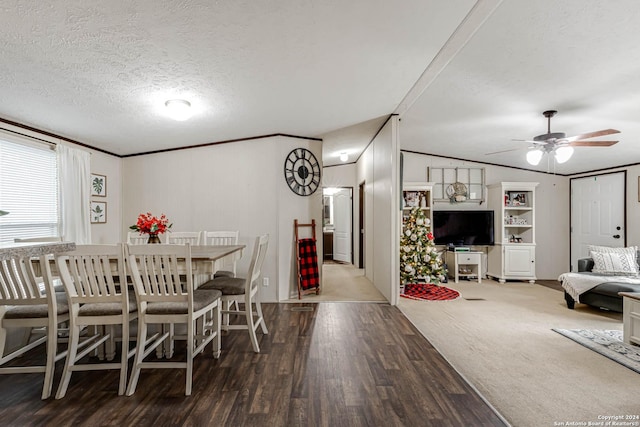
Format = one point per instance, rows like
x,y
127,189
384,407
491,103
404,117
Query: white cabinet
x,y
514,254
464,264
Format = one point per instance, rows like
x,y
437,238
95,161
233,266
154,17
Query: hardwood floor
x,y
328,364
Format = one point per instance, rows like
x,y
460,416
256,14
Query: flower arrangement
x,y
149,224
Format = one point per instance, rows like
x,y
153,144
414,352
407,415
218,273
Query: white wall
x,y
378,168
236,186
552,206
111,167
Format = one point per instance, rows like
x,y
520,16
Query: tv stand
x,y
465,264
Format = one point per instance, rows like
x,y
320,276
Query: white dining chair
x,y
182,237
162,299
26,302
245,290
96,299
222,238
135,238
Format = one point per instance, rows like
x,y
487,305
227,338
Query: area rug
x,y
607,343
429,292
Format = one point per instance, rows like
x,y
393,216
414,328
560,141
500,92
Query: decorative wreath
x,y
457,192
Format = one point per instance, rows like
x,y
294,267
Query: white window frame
x,y
28,188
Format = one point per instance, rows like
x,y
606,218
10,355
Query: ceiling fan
x,y
559,144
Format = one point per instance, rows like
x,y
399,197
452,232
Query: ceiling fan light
x,y
563,154
534,157
178,109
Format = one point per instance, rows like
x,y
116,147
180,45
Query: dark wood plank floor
x,y
340,364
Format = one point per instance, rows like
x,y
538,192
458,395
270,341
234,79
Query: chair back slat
x,y
161,272
255,268
88,273
182,237
219,237
135,238
19,284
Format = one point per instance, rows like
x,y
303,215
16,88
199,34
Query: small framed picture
x,y
98,185
518,199
98,212
411,199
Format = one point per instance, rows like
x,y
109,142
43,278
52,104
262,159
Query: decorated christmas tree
x,y
419,259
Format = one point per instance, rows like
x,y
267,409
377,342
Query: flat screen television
x,y
463,228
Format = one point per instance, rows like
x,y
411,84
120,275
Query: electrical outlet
x,y
265,281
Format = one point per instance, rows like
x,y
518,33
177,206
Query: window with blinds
x,y
28,190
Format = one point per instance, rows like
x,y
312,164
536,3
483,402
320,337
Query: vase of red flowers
x,y
151,225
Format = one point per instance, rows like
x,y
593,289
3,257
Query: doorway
x,y
598,213
337,224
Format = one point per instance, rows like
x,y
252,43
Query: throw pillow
x,y
608,249
617,263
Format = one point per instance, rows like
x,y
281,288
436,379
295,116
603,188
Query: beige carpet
x,y
499,337
344,282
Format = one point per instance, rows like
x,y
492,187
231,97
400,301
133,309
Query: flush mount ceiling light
x,y
178,109
344,156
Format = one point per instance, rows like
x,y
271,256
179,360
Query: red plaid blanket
x,y
308,268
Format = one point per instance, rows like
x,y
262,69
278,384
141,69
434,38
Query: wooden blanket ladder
x,y
307,260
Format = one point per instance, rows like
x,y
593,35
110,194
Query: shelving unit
x,y
513,256
417,194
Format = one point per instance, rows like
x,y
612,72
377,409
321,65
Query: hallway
x,y
344,283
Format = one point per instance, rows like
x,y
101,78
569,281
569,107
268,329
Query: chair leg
x,y
252,327
261,318
171,341
74,339
215,329
140,346
110,345
190,347
52,349
124,357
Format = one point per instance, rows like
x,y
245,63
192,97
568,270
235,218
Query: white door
x,y
342,225
597,213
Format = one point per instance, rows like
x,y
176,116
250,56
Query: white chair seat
x,y
201,299
226,285
38,311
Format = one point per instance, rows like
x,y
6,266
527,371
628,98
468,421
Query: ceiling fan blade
x,y
591,135
503,151
592,143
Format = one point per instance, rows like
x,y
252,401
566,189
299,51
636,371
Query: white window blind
x,y
28,191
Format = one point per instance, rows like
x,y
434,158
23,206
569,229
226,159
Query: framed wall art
x,y
98,212
98,185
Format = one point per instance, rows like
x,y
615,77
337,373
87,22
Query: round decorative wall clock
x,y
302,172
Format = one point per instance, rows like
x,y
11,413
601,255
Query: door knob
x,y
616,236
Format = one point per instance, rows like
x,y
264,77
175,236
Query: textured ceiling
x,y
100,72
466,77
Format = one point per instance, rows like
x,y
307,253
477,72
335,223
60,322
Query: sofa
x,y
604,296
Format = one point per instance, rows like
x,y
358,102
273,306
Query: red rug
x,y
429,292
